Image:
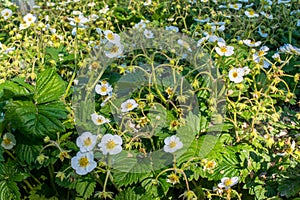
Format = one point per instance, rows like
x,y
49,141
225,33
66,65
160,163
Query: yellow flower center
x,y
103,89
29,19
235,6
95,65
169,91
172,144
234,74
261,53
251,12
210,164
114,49
110,36
223,49
77,19
99,120
228,182
129,106
87,141
83,162
6,141
6,14
173,178
111,144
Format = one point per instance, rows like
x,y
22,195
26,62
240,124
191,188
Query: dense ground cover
x,y
149,99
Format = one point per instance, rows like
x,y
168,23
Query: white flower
x,y
235,6
8,141
92,4
148,34
99,119
290,49
172,144
74,31
277,58
141,25
224,50
147,2
6,13
83,163
262,51
249,5
29,19
228,182
77,12
184,44
128,105
268,16
103,89
105,100
86,141
212,38
250,43
192,1
246,70
202,20
172,28
264,35
236,75
284,1
251,13
93,17
112,37
298,23
104,10
113,50
23,26
79,21
111,144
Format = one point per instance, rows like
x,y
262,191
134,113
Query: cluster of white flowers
x,y
84,162
113,48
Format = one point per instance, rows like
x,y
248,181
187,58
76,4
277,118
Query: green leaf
x,y
85,188
129,170
11,89
49,87
9,190
36,120
229,165
11,172
289,182
27,153
1,152
131,194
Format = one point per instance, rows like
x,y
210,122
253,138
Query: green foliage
x,y
130,170
255,139
42,115
9,190
9,175
85,187
131,194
